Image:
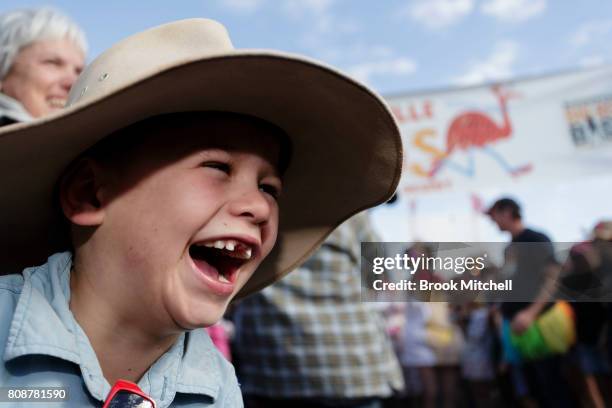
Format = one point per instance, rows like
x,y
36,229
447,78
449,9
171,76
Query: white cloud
x,y
292,8
496,66
592,61
320,16
514,10
297,8
436,14
323,25
374,51
588,31
242,6
357,51
396,66
326,23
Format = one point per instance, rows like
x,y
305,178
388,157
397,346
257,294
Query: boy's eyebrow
x,y
276,173
204,152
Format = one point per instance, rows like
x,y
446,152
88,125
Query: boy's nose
x,y
253,205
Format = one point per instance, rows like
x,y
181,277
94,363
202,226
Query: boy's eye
x,y
224,167
270,189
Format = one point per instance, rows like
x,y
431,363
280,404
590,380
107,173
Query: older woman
x,y
41,54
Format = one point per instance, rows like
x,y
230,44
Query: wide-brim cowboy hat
x,y
347,150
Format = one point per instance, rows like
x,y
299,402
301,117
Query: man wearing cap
x,y
529,284
534,271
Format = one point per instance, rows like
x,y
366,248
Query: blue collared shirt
x,y
42,345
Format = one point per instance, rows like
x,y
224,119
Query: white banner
x,y
551,129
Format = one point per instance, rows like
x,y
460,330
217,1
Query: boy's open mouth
x,y
224,256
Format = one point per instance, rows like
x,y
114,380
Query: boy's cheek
x,y
269,242
270,234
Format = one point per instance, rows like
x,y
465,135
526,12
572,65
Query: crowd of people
x,y
545,352
308,340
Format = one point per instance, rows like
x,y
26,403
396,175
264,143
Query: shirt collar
x,y
13,109
201,372
43,324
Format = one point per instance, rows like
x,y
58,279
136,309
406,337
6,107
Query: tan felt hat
x,y
347,150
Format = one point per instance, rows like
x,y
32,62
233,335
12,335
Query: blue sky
x,y
394,45
401,46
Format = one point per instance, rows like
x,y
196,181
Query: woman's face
x,y
42,74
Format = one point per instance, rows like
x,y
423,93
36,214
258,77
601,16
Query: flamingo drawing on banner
x,y
473,130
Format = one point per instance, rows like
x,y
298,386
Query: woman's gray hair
x,y
20,28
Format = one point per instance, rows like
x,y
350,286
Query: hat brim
x,y
347,148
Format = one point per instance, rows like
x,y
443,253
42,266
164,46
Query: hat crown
x,y
147,53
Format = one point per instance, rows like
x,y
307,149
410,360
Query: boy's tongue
x,y
207,269
210,271
213,264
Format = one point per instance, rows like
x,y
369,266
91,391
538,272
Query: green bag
x,y
557,327
531,344
553,332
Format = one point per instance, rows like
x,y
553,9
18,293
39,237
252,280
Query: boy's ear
x,y
81,192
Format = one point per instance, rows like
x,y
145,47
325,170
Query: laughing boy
x,y
182,174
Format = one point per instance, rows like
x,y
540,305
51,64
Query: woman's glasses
x,y
126,394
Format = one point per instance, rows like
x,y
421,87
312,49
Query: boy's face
x,y
192,214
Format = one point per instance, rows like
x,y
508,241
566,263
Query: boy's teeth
x,y
240,250
222,244
242,253
223,279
